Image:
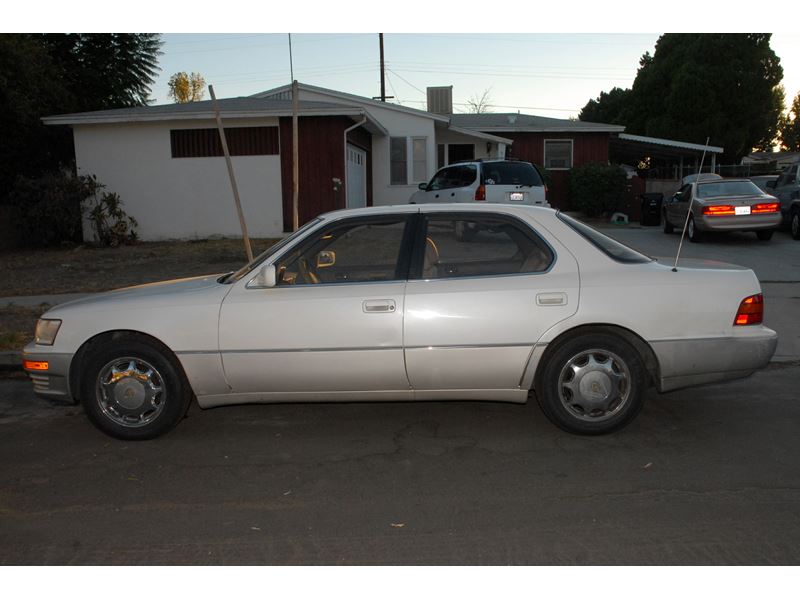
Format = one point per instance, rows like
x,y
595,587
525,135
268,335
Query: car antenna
x,y
691,201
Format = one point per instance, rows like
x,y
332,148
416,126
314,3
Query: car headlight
x,y
46,330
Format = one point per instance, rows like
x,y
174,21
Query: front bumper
x,y
688,362
53,382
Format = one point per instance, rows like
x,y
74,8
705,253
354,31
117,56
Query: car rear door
x,y
476,305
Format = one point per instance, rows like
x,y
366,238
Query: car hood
x,y
189,291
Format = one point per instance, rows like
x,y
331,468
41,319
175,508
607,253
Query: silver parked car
x,y
722,205
390,303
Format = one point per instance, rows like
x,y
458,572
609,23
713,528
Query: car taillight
x,y
766,207
480,193
751,311
721,210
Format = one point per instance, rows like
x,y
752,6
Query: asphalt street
x,y
708,475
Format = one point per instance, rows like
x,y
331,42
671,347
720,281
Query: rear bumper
x,y
688,362
53,382
739,223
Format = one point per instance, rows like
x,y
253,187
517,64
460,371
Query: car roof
x,y
444,207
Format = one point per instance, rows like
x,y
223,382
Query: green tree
x,y
185,87
717,85
790,127
608,107
47,74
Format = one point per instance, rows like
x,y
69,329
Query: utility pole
x,y
224,141
383,75
295,145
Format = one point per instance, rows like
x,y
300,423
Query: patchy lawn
x,y
89,269
17,324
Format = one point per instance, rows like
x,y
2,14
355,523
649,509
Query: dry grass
x,y
89,269
17,324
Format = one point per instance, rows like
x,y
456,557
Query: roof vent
x,y
440,100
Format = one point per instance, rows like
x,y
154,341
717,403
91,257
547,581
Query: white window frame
x,y
571,153
410,160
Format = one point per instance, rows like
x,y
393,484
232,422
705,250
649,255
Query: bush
x,y
46,210
112,225
597,188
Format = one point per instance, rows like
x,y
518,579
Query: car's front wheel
x,y
592,384
133,389
667,226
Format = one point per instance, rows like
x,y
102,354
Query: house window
x,y
399,161
460,152
440,156
242,141
420,159
558,154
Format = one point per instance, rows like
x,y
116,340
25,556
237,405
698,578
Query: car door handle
x,y
379,306
551,299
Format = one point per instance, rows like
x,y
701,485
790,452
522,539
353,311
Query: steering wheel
x,y
308,275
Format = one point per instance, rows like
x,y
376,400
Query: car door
x,y
678,205
477,304
786,188
333,323
451,184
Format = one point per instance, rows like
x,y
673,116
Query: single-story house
x,y
165,161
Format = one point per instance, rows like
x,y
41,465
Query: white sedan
x,y
391,304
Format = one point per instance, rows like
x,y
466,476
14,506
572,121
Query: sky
x,y
546,74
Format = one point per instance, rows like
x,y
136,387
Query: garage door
x,y
356,177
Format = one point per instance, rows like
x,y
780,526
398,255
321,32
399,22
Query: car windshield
x,y
609,246
712,189
510,173
269,252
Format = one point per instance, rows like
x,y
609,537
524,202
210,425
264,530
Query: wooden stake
x,y
295,158
225,151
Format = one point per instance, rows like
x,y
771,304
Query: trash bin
x,y
651,208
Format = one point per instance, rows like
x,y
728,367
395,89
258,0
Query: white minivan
x,y
500,181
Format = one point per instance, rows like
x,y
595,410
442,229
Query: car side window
x,y
354,251
453,177
479,246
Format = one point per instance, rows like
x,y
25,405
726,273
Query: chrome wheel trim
x,y
594,385
130,392
690,229
795,224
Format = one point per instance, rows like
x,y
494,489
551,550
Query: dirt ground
x,y
89,269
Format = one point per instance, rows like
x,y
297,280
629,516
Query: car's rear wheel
x,y
592,384
132,389
794,224
765,234
667,227
695,235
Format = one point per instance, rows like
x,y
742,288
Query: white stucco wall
x,y
397,124
181,198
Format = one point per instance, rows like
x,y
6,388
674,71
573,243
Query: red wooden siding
x,y
321,154
586,147
242,141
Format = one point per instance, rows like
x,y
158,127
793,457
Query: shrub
x,y
46,210
112,225
597,188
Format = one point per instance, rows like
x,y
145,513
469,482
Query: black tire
x,y
695,235
765,235
160,411
563,409
667,227
794,224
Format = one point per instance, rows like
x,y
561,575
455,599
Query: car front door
x,y
333,324
477,304
678,205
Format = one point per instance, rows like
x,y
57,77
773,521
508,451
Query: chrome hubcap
x,y
130,392
594,385
691,228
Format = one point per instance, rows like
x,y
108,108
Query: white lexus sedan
x,y
391,304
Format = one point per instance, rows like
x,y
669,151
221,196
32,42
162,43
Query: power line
x,y
406,80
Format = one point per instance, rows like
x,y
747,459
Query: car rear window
x,y
727,188
511,173
609,246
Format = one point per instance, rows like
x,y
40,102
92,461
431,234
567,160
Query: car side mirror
x,y
266,277
423,187
326,258
771,185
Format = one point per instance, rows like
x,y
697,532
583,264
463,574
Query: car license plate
x,y
742,210
516,196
